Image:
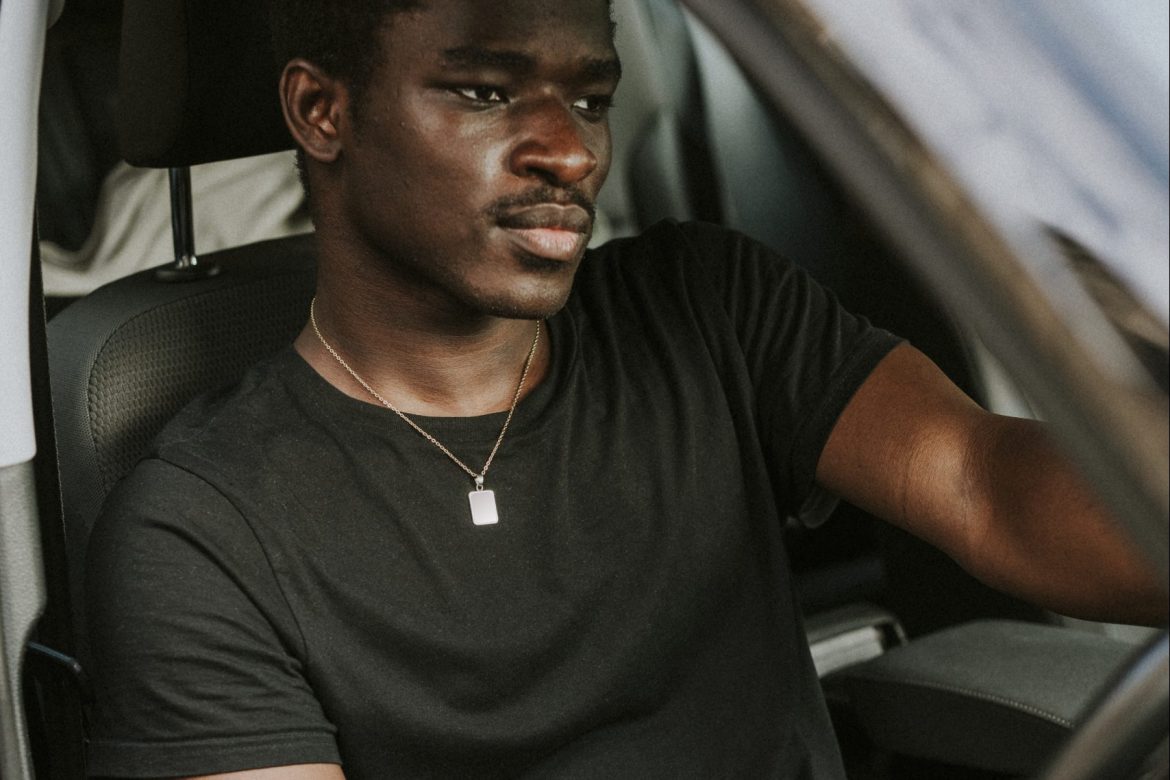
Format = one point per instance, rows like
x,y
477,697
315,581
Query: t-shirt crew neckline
x,y
304,381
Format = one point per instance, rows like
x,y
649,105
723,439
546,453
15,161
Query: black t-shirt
x,y
293,575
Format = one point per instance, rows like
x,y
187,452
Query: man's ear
x,y
314,104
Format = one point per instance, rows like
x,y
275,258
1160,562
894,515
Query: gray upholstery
x,y
994,695
197,83
126,358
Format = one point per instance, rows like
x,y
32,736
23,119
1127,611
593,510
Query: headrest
x,y
197,83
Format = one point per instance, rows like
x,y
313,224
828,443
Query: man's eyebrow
x,y
480,57
603,68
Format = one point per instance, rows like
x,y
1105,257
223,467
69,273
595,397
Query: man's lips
x,y
549,243
549,230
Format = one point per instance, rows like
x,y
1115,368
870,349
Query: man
x,y
502,512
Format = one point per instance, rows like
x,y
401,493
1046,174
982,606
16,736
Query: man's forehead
x,y
526,26
565,10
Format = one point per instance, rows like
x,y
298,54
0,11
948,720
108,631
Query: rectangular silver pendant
x,y
483,507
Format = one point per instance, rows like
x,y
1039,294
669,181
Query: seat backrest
x,y
126,358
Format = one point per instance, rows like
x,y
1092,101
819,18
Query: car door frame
x,y
23,26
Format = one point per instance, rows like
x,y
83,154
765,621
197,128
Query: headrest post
x,y
186,265
182,217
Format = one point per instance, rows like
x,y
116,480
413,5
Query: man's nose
x,y
552,146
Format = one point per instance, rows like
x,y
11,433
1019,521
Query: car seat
x,y
126,358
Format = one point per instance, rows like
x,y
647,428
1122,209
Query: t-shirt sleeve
x,y
804,355
196,659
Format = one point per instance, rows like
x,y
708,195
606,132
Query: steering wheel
x,y
1125,736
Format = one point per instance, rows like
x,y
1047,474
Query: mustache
x,y
539,196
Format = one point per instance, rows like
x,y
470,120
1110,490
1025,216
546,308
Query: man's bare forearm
x,y
992,492
1043,535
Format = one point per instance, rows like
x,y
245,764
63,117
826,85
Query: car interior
x,y
927,672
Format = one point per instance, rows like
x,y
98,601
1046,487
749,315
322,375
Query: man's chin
x,y
540,295
532,302
527,309
544,265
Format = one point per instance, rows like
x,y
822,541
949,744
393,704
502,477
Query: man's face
x,y
472,166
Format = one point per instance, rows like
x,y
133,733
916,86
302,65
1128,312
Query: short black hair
x,y
340,36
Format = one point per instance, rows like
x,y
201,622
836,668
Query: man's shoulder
x,y
215,452
233,416
695,262
211,469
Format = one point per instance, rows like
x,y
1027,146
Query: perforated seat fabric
x,y
126,358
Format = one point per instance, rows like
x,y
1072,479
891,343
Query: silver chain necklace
x,y
483,502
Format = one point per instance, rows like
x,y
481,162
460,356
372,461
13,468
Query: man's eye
x,y
594,104
482,94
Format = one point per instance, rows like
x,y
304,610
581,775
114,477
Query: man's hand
x,y
990,491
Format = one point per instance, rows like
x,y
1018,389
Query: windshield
x,y
1051,113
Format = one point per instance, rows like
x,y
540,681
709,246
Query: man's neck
x,y
423,358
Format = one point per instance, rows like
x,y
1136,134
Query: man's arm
x,y
990,491
192,645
